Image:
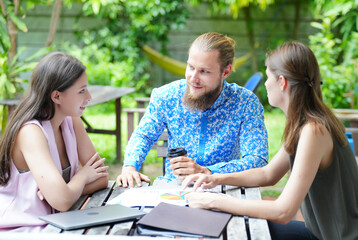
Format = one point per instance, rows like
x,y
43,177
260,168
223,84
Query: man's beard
x,y
202,102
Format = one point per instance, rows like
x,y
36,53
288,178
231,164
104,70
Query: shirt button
x,y
200,157
202,135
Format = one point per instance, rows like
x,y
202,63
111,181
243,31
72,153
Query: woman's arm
x,y
35,156
314,148
264,176
86,150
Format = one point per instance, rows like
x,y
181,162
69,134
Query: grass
x,y
275,123
106,144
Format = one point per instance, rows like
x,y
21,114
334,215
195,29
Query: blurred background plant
x,y
336,49
112,50
11,82
233,7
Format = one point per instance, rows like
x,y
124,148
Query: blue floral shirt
x,y
228,137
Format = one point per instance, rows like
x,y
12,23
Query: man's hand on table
x,y
130,175
183,166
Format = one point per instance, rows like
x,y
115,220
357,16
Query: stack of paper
x,y
150,196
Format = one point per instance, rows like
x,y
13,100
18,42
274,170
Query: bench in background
x,y
100,94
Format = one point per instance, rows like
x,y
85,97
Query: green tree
x,y
233,7
125,27
11,63
9,25
336,49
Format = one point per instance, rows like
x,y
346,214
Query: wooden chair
x,y
162,149
161,145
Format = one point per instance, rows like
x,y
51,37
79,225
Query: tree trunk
x,y
55,16
251,36
2,7
12,29
297,19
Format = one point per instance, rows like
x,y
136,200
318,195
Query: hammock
x,y
178,68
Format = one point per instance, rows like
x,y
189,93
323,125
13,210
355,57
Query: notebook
x,y
173,220
92,216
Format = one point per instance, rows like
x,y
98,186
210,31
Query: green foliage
x,y
100,68
275,123
15,15
336,49
231,6
13,66
11,81
126,26
105,144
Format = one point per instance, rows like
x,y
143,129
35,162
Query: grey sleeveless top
x,y
66,173
330,208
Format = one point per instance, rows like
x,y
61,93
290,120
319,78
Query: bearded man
x,y
220,124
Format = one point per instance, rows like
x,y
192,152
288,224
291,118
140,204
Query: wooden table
x,y
100,94
238,227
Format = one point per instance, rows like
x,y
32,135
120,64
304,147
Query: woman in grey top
x,y
324,175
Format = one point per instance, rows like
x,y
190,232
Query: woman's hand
x,y
94,169
204,200
204,181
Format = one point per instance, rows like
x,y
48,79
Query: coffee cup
x,y
177,152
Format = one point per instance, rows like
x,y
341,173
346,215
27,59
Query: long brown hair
x,y
297,63
56,71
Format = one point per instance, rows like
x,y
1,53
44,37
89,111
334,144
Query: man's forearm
x,y
238,165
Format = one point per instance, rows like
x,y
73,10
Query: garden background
x,y
108,36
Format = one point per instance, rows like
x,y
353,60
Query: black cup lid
x,y
176,152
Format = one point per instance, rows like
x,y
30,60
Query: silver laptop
x,y
92,216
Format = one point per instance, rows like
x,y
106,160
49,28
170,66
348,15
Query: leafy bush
x,y
12,82
336,49
112,52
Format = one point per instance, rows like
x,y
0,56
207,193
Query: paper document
x,y
150,196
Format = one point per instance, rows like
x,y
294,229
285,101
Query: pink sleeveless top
x,y
20,206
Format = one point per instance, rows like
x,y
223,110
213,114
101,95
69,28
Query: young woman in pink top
x,y
42,145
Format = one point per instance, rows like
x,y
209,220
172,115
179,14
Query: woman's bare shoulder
x,y
30,134
315,129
